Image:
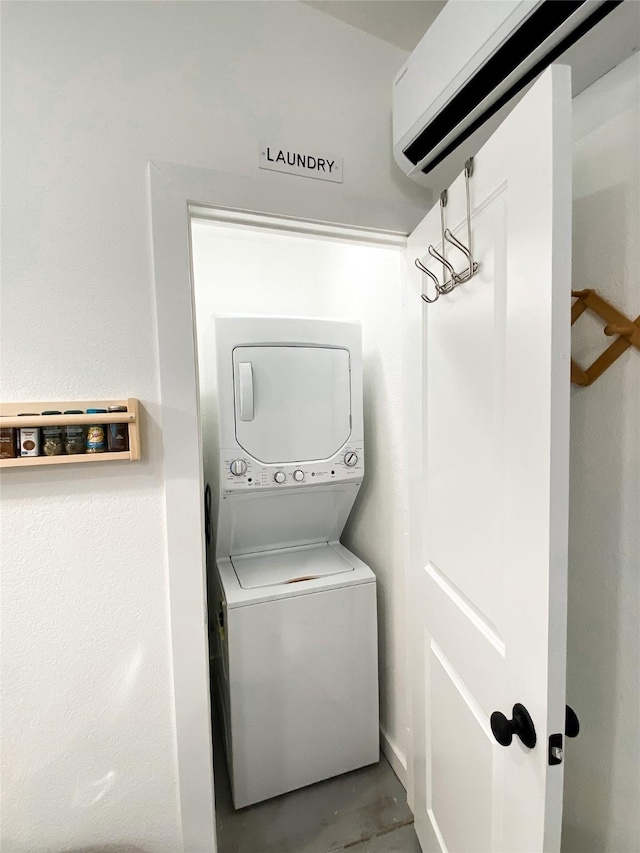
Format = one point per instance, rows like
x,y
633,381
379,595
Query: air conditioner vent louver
x,y
535,30
526,38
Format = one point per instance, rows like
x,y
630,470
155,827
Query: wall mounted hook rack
x,y
450,278
625,331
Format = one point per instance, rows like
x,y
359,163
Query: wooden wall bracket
x,y
625,331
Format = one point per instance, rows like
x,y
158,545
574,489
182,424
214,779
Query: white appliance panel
x,y
240,472
293,565
292,403
303,690
256,521
236,596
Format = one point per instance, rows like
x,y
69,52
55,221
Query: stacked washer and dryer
x,y
292,612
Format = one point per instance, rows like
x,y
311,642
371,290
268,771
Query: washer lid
x,y
288,566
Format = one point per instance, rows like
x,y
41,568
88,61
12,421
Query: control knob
x,y
280,477
238,467
298,476
350,459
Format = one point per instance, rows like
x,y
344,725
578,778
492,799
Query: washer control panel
x,y
240,472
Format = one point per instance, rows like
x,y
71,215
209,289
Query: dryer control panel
x,y
240,472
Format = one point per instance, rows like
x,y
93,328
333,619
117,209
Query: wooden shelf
x,y
30,461
67,420
9,418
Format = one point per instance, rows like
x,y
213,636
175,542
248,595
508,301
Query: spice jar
x,y
117,434
52,437
8,436
96,434
29,436
74,437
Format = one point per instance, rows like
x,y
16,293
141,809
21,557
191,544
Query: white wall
x,y
90,93
241,270
602,781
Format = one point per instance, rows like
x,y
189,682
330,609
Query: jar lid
x,y
51,412
73,412
117,408
96,411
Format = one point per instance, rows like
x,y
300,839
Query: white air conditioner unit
x,y
475,58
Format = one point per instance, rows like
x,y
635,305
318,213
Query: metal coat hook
x,y
433,277
448,284
454,278
468,251
451,238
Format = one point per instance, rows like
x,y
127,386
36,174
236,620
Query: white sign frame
x,y
299,161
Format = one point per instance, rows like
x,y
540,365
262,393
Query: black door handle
x,y
571,722
521,724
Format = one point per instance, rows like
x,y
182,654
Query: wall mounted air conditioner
x,y
476,57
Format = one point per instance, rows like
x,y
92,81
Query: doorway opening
x,y
260,265
603,116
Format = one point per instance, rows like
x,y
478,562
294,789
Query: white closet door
x,y
293,403
488,559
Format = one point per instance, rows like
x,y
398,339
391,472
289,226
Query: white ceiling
x,y
400,22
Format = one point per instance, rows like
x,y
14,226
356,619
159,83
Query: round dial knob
x,y
238,467
279,476
298,476
350,459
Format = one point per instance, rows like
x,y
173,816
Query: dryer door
x,y
292,403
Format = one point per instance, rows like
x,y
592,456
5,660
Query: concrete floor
x,y
361,812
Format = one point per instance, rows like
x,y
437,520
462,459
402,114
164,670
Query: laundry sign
x,y
299,161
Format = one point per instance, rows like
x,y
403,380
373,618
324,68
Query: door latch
x,y
571,729
556,752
